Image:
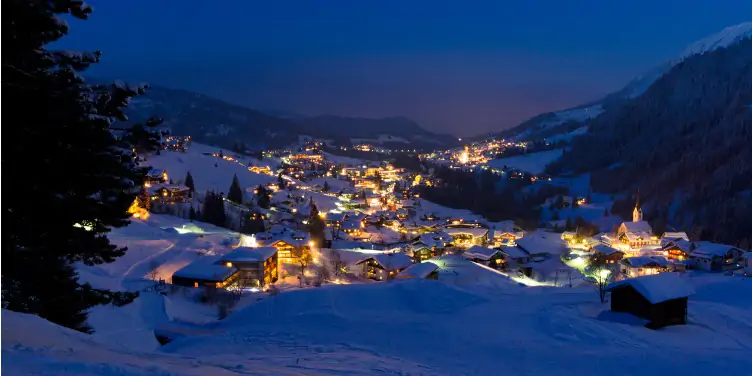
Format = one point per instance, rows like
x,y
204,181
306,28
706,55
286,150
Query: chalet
x,y
384,266
541,245
485,256
568,235
402,214
335,219
715,257
604,255
644,265
466,236
352,228
661,299
638,233
427,270
170,193
515,255
677,249
289,246
425,247
205,272
156,176
671,236
257,267
506,237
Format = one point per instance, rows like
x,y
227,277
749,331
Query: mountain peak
x,y
724,38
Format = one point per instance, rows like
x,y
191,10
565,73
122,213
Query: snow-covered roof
x,y
638,227
604,249
420,270
675,235
478,252
682,244
541,243
391,261
336,216
350,225
474,231
207,269
708,249
657,288
643,261
250,254
514,252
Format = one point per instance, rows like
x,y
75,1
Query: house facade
x,y
384,266
257,267
715,257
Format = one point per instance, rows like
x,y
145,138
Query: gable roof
x,y
539,243
638,227
419,270
390,261
249,254
478,252
606,250
657,288
643,261
206,269
709,249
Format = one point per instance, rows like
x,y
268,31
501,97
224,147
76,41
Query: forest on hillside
x,y
686,144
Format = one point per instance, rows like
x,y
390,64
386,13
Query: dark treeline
x,y
686,144
489,195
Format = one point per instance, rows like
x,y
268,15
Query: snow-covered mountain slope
x,y
551,125
417,327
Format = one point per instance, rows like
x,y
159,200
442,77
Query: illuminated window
x,y
229,265
195,284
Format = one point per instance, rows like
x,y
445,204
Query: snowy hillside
x,y
206,175
418,327
544,126
534,163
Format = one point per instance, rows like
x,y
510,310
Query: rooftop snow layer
x,y
478,252
207,269
657,288
420,270
249,254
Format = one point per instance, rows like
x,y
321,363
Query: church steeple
x,y
637,212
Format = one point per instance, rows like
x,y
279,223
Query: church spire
x,y
637,212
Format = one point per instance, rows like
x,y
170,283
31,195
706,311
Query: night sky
x,y
454,68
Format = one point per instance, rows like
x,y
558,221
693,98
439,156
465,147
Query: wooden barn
x,y
660,298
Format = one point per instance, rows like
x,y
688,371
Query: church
x,y
638,233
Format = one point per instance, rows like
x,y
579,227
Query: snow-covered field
x,y
534,163
418,327
202,167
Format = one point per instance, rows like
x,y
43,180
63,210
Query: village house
x,y
384,266
644,265
677,249
465,236
605,255
207,271
638,233
660,299
486,256
289,245
169,193
257,267
541,246
515,255
425,247
425,270
334,218
672,236
352,228
155,176
715,257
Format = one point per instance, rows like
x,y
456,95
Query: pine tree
x,y
568,224
326,187
316,226
235,194
75,165
192,214
281,181
189,182
263,197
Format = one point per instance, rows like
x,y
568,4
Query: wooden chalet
x,y
661,299
206,272
257,267
384,266
677,249
486,256
715,257
644,265
604,255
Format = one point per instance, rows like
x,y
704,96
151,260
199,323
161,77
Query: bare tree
x,y
338,265
603,277
153,274
303,257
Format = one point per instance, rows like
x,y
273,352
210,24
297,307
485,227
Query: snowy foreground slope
x,y
418,327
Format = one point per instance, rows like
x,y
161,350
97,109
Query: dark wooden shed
x,y
661,298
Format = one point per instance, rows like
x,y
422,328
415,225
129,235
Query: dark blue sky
x,y
457,67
